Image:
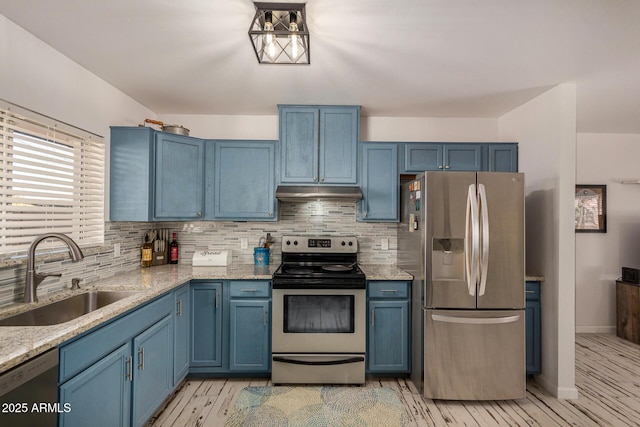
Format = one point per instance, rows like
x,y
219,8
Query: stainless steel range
x,y
319,312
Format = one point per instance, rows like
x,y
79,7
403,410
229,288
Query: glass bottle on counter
x,y
147,252
173,250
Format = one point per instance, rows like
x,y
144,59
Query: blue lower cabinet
x,y
532,328
153,371
100,396
206,324
388,333
181,333
249,335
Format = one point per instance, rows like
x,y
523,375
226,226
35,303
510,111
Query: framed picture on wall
x,y
591,208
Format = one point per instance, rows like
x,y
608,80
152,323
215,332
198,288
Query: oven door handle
x,y
318,363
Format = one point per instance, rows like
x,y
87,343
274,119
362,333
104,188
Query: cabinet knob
x,y
321,179
199,213
315,178
270,213
439,166
447,167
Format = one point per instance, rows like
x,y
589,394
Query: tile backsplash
x,y
318,217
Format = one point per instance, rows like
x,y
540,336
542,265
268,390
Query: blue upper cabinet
x,y
428,156
503,157
244,182
155,176
179,177
379,182
420,157
318,144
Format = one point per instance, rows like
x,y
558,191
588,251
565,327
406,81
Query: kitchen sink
x,y
66,309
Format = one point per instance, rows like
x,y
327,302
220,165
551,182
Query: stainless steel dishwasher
x,y
29,392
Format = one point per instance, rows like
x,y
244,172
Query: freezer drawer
x,y
474,355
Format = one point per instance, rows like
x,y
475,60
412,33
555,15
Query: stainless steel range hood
x,y
301,193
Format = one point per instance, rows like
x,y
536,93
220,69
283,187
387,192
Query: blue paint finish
x,y
100,396
428,156
462,157
422,157
503,157
532,328
388,327
319,144
379,182
249,337
206,324
245,180
181,333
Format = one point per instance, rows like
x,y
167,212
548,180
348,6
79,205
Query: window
x,y
51,180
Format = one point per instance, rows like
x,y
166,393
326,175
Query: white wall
x,y
607,159
545,128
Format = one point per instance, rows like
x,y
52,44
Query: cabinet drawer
x,y
83,352
532,291
388,289
250,289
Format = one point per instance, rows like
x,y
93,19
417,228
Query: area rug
x,y
317,406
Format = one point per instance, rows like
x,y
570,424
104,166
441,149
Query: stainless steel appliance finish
x,y
297,193
319,312
462,238
34,382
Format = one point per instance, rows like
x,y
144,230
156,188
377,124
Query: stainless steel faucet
x,y
34,279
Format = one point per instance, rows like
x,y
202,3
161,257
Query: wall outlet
x,y
116,250
385,244
243,243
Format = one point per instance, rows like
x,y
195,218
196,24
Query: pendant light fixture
x,y
279,33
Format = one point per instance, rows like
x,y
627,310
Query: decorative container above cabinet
x,y
155,176
319,144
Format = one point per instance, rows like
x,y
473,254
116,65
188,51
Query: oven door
x,y
319,321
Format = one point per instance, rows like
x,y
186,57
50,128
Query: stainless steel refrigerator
x,y
462,237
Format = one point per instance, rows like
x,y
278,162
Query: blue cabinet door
x,y
131,169
181,336
319,144
503,157
462,157
153,372
100,396
388,340
299,144
206,324
339,134
245,180
532,328
380,182
422,157
249,335
179,177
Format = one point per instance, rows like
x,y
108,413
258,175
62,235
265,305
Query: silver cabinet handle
x,y
180,308
129,371
265,317
141,358
393,291
373,316
530,292
248,290
216,299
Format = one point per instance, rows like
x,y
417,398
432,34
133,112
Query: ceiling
x,y
413,58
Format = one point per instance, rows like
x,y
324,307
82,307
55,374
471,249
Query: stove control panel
x,y
320,244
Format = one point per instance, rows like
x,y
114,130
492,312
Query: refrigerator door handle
x,y
471,240
475,320
484,238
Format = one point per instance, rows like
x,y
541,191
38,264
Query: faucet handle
x,y
75,283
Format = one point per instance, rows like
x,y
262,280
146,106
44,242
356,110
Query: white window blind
x,y
51,180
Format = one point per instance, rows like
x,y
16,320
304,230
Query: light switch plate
x,y
385,244
243,243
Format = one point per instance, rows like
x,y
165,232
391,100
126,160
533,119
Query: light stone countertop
x,y
20,343
384,272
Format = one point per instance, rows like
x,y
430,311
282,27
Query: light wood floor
x,y
607,378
